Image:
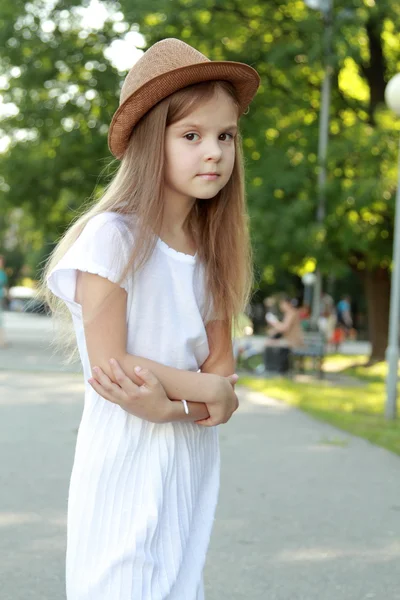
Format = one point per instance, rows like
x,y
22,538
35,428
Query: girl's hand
x,y
147,401
223,402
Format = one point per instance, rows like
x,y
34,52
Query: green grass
x,y
358,410
354,367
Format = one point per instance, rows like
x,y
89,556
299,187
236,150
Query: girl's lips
x,y
208,176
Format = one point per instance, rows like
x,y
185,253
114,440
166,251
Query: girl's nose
x,y
213,151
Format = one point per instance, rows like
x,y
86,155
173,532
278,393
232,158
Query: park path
x,y
306,512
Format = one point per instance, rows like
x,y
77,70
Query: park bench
x,y
281,359
314,349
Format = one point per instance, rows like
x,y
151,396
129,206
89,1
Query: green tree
x,y
66,92
65,89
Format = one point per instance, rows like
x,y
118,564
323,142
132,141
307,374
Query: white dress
x,y
142,496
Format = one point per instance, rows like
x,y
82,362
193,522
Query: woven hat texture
x,y
165,68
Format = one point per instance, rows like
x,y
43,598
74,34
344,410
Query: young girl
x,y
153,275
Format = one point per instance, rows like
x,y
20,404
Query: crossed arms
x,y
104,312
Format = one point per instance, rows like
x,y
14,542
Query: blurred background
x,y
321,151
62,65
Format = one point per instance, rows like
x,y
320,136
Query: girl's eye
x,y
190,134
229,134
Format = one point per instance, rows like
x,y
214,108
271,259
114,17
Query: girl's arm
x,y
220,360
104,313
150,402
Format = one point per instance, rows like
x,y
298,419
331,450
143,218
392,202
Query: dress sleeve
x,y
103,248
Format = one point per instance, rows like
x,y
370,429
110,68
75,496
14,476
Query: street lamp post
x,y
308,280
392,97
326,8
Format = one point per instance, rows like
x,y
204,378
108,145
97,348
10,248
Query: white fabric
x,y
142,496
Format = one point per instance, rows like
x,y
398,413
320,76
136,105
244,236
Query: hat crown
x,y
162,57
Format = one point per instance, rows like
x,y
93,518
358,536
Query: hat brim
x,y
244,78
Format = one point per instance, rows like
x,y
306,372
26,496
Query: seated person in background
x,y
304,312
344,317
289,328
304,315
271,306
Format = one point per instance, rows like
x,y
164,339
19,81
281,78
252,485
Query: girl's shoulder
x,y
113,218
110,222
103,248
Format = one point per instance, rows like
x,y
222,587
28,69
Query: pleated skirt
x,y
141,507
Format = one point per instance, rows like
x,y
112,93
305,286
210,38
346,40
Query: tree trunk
x,y
377,290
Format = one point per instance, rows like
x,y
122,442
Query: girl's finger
x,y
205,422
124,381
147,376
112,389
233,379
98,388
102,378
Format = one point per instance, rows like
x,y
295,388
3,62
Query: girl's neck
x,y
175,214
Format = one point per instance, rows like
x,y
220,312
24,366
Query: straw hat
x,y
163,69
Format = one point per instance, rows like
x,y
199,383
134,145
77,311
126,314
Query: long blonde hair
x,y
219,226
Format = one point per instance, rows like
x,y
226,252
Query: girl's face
x,y
199,144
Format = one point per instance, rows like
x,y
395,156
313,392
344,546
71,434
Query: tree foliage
x,y
66,92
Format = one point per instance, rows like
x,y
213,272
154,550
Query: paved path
x,y
306,512
30,336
